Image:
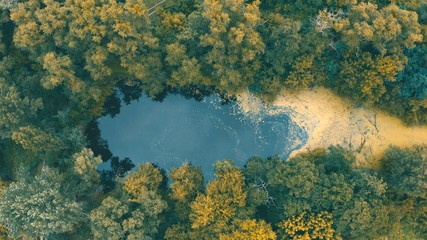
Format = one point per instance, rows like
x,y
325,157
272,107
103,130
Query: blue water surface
x,y
179,130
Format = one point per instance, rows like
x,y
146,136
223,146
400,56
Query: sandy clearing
x,y
331,120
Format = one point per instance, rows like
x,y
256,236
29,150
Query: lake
x,y
179,130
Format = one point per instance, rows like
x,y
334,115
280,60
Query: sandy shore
x,y
331,120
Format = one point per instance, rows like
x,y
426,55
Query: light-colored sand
x,y
331,120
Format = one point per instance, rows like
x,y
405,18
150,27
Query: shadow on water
x,y
178,130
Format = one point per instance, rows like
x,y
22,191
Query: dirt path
x,y
331,120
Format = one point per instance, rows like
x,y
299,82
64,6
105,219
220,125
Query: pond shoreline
x,y
331,120
179,130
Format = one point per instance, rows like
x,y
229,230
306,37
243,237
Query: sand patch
x,y
331,120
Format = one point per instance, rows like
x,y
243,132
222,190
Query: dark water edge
x,y
179,130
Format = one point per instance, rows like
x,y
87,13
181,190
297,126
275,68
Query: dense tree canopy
x,y
66,63
39,207
405,171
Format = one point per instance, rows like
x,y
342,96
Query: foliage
x,y
105,219
224,201
323,180
135,214
8,4
119,168
38,207
66,63
187,184
252,230
85,165
404,170
120,219
147,177
365,79
386,29
317,226
413,79
14,108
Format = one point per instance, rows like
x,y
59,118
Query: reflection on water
x,y
201,133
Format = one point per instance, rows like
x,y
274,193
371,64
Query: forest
x,y
66,63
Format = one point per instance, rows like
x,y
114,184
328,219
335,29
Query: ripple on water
x,y
179,130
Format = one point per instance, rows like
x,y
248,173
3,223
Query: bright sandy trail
x,y
331,120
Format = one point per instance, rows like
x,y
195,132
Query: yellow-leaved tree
x,y
250,229
213,213
308,226
187,184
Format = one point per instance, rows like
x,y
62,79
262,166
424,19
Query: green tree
x,y
135,213
106,219
413,79
85,164
121,219
323,180
281,35
337,160
15,109
257,176
404,170
146,188
38,207
36,140
364,79
295,185
85,51
223,46
386,29
8,4
178,232
3,230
